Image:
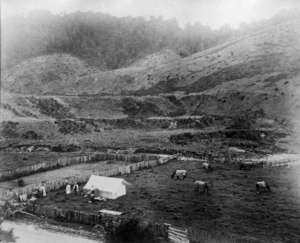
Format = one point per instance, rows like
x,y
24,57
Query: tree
x,y
131,231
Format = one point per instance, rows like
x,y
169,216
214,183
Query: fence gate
x,y
177,235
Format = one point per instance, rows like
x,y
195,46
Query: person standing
x,y
76,188
43,189
68,188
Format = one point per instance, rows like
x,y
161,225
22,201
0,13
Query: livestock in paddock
x,y
201,185
246,165
179,173
207,166
262,186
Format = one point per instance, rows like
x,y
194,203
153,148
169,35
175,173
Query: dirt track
x,y
232,207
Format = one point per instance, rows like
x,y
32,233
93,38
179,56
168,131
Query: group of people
x,y
75,188
90,193
37,192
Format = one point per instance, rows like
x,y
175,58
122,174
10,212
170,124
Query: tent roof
x,y
237,150
103,183
110,212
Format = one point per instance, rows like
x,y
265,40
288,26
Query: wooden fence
x,y
173,234
56,184
62,162
177,235
281,160
196,235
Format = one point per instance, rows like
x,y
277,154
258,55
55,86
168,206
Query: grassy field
x,y
231,207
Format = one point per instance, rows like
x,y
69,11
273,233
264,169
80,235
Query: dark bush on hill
x,y
131,231
69,126
134,108
21,183
173,99
65,148
150,150
251,135
207,120
9,129
127,123
31,135
241,123
51,107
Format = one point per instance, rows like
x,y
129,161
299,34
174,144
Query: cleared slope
x,y
45,74
157,59
63,74
275,49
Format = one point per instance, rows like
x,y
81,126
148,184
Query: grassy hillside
x,y
254,75
271,51
157,59
44,74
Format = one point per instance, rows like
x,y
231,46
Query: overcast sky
x,y
214,13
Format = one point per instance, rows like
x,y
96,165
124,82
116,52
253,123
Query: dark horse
x,y
246,165
178,173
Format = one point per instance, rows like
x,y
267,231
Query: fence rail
x,y
174,234
62,162
177,235
281,160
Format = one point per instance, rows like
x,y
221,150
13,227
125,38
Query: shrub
x,y
9,129
51,107
131,231
174,100
21,183
134,108
31,135
65,148
70,126
241,123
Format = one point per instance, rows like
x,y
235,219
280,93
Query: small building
x,y
107,187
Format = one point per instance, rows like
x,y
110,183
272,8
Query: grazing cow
x,y
178,173
201,185
207,166
262,186
246,165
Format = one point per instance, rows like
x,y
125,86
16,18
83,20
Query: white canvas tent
x,y
108,187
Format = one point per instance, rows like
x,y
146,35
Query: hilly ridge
x,y
254,75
